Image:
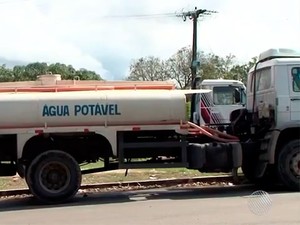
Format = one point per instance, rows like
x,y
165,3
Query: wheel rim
x,y
295,164
54,177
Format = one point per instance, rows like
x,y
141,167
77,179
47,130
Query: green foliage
x,y
177,68
188,110
32,70
148,68
5,74
239,72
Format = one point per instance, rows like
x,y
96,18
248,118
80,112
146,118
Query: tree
x,y
215,67
67,72
84,74
18,72
240,72
148,69
32,70
6,74
211,66
178,67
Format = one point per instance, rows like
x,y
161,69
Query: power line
x,y
144,15
141,16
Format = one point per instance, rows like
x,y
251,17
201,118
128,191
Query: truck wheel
x,y
249,173
249,167
267,179
288,165
53,176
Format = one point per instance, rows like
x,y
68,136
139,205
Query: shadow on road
x,y
28,203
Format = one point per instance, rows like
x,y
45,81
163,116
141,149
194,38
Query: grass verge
x,y
16,182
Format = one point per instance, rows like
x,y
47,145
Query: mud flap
x,y
237,154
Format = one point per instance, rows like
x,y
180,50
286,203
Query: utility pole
x,y
194,15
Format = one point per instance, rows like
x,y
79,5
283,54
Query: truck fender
x,y
21,141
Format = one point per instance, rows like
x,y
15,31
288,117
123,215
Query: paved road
x,y
161,207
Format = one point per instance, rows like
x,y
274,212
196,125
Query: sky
x,y
105,36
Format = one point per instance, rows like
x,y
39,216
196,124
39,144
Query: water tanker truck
x,y
49,127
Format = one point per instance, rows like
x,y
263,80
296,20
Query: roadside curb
x,y
159,182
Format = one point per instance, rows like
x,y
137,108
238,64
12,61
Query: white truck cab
x,y
215,107
277,87
271,120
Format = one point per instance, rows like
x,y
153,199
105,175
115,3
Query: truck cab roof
x,y
221,82
277,56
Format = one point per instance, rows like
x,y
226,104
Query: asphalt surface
x,y
210,205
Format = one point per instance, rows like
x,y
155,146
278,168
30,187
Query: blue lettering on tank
x,y
85,110
52,111
92,109
81,110
104,109
98,110
116,110
66,111
112,109
45,110
57,110
76,109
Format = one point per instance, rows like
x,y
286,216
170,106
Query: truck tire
x,y
249,173
249,167
268,179
288,165
53,177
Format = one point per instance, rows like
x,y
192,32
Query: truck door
x,y
294,74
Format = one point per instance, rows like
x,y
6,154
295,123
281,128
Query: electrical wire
x,y
145,15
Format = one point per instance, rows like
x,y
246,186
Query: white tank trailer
x,y
91,108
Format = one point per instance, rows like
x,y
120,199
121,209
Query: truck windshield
x,y
229,95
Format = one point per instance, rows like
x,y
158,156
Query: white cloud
x,y
247,29
94,35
